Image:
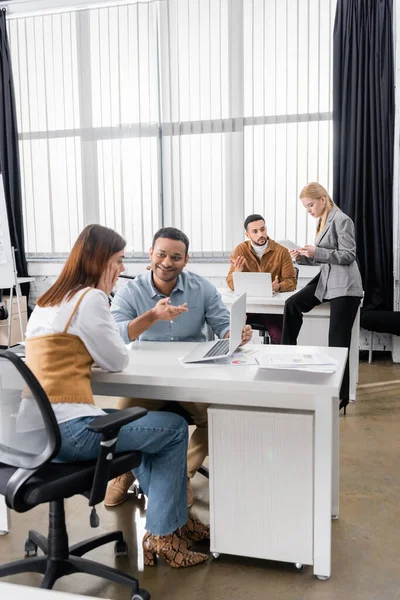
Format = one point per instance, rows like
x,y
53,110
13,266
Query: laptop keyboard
x,y
219,349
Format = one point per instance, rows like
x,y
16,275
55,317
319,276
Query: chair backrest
x,y
112,293
29,433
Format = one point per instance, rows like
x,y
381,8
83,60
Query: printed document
x,y
320,363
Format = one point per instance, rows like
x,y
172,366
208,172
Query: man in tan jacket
x,y
260,254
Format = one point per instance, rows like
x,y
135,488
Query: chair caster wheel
x,y
215,555
138,492
141,594
30,548
121,548
323,577
299,566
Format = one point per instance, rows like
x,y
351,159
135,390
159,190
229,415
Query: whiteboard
x,y
7,277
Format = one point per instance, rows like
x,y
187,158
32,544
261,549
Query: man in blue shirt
x,y
167,304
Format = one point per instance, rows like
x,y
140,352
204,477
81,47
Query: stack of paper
x,y
317,363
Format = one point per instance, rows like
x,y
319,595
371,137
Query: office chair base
x,y
36,540
59,559
54,569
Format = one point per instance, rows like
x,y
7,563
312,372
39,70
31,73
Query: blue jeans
x,y
162,438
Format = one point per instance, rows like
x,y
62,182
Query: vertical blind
x,y
192,113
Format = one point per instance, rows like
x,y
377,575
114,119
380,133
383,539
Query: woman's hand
x,y
108,278
307,251
295,254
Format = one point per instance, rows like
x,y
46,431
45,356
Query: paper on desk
x,y
243,357
288,244
317,363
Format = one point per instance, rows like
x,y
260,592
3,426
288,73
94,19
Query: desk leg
x,y
4,521
322,487
10,316
335,458
354,356
19,294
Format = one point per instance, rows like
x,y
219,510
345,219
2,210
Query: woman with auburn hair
x,y
70,328
339,280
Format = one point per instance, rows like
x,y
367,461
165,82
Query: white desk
x,y
274,447
24,592
314,331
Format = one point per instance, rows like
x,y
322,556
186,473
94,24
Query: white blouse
x,y
95,326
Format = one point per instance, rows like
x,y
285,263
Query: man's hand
x,y
276,286
307,251
163,311
247,334
238,263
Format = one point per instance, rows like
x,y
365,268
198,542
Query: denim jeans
x,y
162,438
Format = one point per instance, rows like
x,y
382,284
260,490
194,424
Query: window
x,y
191,113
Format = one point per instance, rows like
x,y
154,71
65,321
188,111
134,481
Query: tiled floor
x,y
366,539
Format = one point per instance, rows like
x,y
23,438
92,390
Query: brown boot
x,y
173,548
195,530
117,490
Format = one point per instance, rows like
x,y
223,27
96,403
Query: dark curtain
x,y
363,134
9,153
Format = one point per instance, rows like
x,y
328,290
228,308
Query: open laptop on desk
x,y
257,285
222,348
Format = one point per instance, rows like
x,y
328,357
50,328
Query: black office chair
x,y
112,293
29,440
263,331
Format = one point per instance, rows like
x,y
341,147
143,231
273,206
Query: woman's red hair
x,y
85,264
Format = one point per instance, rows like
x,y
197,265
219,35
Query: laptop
x,y
222,348
257,285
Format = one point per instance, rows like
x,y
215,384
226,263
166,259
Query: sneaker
x,y
117,490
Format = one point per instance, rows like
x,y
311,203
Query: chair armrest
x,y
109,427
112,423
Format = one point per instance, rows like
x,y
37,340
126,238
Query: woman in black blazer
x,y
339,280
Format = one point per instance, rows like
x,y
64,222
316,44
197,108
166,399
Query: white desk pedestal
x,y
254,452
258,457
314,332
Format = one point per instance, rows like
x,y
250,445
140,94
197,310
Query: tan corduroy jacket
x,y
275,260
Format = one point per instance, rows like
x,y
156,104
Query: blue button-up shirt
x,y
203,301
